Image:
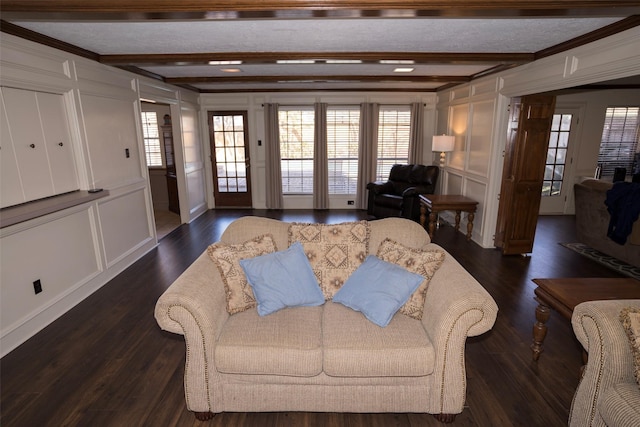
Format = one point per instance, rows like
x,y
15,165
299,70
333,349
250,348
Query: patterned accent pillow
x,y
630,318
424,263
334,250
227,258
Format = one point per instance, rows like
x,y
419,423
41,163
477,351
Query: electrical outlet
x,y
126,153
37,286
350,202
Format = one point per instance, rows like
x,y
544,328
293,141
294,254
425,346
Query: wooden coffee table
x,y
446,202
564,294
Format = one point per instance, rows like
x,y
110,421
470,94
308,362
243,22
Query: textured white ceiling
x,y
313,35
337,35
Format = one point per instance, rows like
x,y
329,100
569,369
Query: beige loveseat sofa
x,y
325,358
608,394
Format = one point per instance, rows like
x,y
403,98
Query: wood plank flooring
x,y
107,363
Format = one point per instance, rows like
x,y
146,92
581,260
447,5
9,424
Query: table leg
x,y
540,329
458,220
470,217
423,214
432,223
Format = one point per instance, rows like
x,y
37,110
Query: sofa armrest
x,y
381,187
456,307
417,190
195,306
598,328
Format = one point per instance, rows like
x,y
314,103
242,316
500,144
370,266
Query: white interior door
x,y
557,187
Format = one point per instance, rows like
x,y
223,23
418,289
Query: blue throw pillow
x,y
282,279
378,289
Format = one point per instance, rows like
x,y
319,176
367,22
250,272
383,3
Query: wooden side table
x,y
447,202
564,294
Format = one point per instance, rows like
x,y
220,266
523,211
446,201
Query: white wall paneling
x,y
111,133
190,165
477,190
459,121
34,66
480,137
40,250
124,224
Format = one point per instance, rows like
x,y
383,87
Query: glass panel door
x,y
230,159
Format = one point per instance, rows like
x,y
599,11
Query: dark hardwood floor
x,y
107,363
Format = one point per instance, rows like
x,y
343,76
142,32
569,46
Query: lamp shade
x,y
443,143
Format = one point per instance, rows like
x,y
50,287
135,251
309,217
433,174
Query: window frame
x,y
146,140
385,139
306,132
352,143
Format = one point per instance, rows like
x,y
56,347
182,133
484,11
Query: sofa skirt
x,y
260,397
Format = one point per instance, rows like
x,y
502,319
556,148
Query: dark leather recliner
x,y
398,197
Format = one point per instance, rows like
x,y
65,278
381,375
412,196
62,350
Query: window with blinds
x,y
619,142
296,149
394,127
343,130
151,135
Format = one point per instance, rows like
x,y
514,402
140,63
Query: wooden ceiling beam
x,y
230,9
318,78
273,57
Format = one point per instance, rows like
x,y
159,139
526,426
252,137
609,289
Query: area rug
x,y
606,260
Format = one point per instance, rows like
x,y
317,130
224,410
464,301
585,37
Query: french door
x,y
230,158
555,188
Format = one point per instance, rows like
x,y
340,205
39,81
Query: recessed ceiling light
x,y
397,61
403,70
231,70
225,62
343,61
295,61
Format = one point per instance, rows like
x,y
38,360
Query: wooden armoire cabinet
x,y
172,181
524,161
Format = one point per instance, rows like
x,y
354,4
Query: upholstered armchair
x,y
398,196
608,393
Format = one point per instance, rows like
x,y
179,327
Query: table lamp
x,y
443,144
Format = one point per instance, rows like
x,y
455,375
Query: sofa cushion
x,y
422,262
630,318
334,250
282,279
355,347
227,257
620,405
288,342
378,289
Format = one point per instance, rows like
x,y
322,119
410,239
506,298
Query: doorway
x,y
230,158
157,133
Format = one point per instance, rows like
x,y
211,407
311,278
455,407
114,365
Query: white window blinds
x,y
343,129
394,133
619,140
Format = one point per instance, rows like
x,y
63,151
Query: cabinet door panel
x,y
10,186
28,142
58,141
